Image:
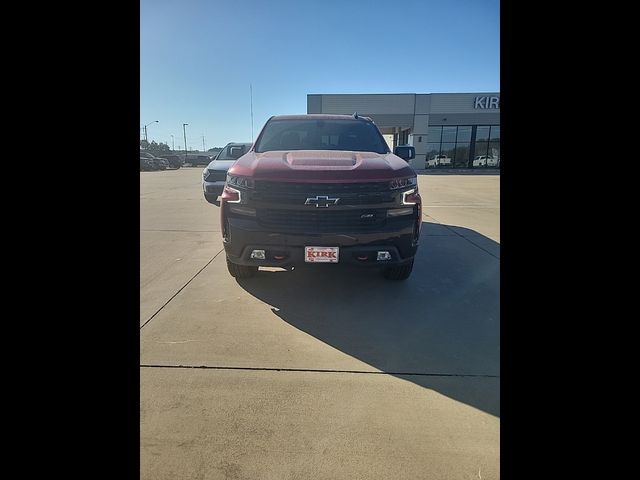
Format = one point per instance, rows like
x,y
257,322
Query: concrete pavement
x,y
319,373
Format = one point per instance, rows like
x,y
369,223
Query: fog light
x,y
384,255
259,254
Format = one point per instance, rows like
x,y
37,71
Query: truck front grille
x,y
316,221
285,193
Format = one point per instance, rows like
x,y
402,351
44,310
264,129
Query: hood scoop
x,y
322,160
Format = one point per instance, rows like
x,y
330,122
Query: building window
x,y
481,150
461,159
482,133
434,134
449,146
433,150
464,134
449,134
487,147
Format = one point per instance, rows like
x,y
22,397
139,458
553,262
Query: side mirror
x,y
406,152
235,152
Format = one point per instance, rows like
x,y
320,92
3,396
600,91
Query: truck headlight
x,y
403,183
238,181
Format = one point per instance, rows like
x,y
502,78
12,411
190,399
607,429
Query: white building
x,y
448,130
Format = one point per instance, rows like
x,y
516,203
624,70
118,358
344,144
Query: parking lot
x,y
330,373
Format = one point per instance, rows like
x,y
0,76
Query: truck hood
x,y
220,164
321,165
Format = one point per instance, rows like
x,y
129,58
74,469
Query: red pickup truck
x,y
321,189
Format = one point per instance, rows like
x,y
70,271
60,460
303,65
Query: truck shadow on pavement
x,y
439,329
458,171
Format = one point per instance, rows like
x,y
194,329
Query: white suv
x,y
214,175
485,161
480,161
439,160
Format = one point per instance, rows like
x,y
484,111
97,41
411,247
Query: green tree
x,y
158,148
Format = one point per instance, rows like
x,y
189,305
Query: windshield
x,y
320,134
225,153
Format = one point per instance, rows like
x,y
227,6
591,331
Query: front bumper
x,y
213,189
242,236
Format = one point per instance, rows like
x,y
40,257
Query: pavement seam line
x,y
459,206
462,236
317,370
185,231
182,288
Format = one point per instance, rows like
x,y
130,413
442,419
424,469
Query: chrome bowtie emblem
x,y
321,201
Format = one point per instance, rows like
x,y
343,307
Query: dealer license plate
x,y
321,254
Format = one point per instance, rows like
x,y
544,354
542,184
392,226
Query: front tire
x,y
240,271
401,272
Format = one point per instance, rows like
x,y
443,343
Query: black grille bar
x,y
321,188
321,221
296,193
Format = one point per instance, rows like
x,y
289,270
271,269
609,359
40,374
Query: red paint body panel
x,y
316,166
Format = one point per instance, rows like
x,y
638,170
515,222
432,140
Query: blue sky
x,y
198,58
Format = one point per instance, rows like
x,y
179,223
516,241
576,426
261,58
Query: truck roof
x,y
319,116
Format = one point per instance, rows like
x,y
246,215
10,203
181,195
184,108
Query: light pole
x,y
184,131
173,145
145,130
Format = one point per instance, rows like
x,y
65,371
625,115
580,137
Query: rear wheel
x,y
398,273
240,271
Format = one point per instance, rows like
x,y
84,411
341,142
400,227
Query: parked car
x,y
480,161
174,160
485,161
321,189
215,174
154,162
439,160
198,160
146,164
